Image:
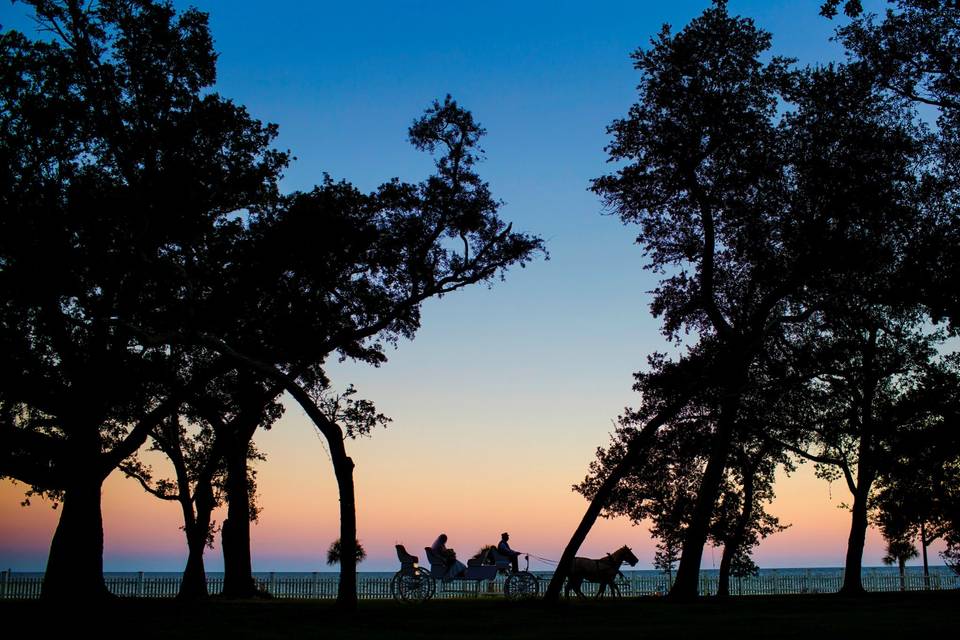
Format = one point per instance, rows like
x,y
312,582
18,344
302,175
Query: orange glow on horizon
x,y
403,498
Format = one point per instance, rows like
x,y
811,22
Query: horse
x,y
604,571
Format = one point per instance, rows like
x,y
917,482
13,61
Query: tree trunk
x,y
687,585
343,468
193,586
852,581
635,452
924,543
732,545
723,577
75,565
902,562
238,579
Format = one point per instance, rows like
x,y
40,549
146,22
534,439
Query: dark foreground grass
x,y
911,616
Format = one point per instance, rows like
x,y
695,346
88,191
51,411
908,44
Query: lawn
x,y
919,615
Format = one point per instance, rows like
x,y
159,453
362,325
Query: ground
x,y
919,615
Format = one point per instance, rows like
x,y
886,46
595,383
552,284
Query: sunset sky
x,y
501,400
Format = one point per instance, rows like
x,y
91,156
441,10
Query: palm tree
x,y
333,553
899,551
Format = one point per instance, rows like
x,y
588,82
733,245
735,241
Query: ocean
x,y
815,572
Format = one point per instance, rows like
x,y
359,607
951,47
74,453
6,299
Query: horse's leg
x,y
576,586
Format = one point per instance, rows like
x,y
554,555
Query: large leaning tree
x,y
116,160
760,192
664,490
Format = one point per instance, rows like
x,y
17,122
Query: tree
x,y
196,446
116,158
337,272
760,193
334,552
912,51
872,368
899,550
190,264
915,496
742,521
664,490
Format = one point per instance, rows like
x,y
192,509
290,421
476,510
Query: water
x,y
814,572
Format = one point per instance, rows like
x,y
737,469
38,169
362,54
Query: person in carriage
x,y
504,550
455,568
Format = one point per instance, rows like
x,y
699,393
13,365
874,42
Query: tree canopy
x,y
151,268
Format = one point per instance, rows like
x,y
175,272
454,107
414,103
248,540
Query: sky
x,y
500,402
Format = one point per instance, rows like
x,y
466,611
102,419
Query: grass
x,y
920,615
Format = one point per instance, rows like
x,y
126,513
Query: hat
x,y
504,535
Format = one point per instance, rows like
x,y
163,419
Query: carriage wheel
x,y
415,588
521,586
431,581
394,581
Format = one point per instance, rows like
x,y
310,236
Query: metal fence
x,y
324,587
811,582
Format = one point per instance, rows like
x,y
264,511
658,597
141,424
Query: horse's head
x,y
626,555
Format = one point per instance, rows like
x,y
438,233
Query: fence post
x,y
139,584
273,584
3,584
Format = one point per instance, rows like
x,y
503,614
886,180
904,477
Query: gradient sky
x,y
502,398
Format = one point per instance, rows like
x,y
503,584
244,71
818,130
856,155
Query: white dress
x,y
454,568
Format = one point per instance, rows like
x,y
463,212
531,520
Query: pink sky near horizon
x,y
397,504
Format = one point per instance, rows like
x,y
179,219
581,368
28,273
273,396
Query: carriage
x,y
415,584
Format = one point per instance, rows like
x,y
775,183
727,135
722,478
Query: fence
x,y
324,587
795,584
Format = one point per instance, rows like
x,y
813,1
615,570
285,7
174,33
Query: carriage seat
x,y
438,566
481,559
500,560
408,561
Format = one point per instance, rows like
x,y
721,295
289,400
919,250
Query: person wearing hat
x,y
504,549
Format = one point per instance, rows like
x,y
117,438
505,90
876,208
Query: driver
x,y
504,549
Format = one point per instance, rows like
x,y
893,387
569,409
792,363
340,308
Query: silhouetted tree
x,y
872,367
760,193
912,50
250,403
742,521
162,198
196,446
116,159
916,494
899,550
337,272
334,552
664,490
